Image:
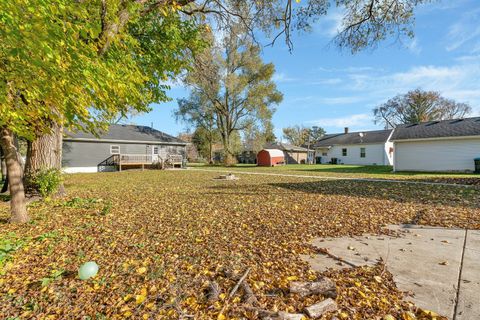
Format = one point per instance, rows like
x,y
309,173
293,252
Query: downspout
x,y
386,151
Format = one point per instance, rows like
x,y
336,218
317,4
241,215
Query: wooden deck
x,y
143,160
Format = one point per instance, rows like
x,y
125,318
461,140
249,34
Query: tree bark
x,y
15,176
3,166
228,156
44,153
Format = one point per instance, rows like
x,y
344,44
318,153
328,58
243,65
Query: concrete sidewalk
x,y
440,267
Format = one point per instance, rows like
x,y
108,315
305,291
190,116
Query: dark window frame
x,y
363,152
114,146
344,152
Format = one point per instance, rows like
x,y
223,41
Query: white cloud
x,y
465,32
414,47
330,81
354,120
459,81
347,69
331,24
282,77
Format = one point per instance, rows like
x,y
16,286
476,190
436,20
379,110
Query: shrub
x,y
48,181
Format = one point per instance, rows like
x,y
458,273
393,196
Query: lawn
x,y
355,171
161,237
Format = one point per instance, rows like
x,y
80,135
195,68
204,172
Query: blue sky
x,y
333,89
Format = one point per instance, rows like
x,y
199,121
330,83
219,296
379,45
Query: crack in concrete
x,y
455,310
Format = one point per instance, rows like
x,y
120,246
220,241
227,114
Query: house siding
x,y
78,154
436,155
292,157
376,154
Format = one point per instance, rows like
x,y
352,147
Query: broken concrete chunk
x,y
317,310
229,176
323,286
290,316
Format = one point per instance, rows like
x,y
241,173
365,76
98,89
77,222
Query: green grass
x,y
378,172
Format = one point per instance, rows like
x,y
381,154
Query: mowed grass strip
x,y
353,171
160,237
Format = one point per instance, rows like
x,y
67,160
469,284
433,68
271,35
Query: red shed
x,y
270,157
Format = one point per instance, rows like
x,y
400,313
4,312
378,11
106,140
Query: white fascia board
x,y
124,141
437,138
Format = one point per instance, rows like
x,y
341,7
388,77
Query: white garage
x,y
447,146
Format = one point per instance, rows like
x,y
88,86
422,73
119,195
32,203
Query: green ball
x,y
88,270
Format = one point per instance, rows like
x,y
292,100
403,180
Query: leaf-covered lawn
x,y
160,237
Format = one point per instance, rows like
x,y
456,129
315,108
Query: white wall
x,y
80,169
375,154
436,155
88,169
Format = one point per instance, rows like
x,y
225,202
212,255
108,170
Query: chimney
x,y
346,129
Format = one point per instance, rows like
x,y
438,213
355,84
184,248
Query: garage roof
x,y
285,147
365,137
123,132
438,129
274,152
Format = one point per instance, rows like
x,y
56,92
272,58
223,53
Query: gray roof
x,y
285,147
364,137
123,132
438,129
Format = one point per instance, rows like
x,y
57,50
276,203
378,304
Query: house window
x,y
155,150
114,149
363,152
324,153
344,152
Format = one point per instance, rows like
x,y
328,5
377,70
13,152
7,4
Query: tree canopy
x,y
62,63
301,135
232,85
419,106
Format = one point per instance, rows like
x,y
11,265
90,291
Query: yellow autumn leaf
x,y
139,298
430,313
408,316
141,270
221,317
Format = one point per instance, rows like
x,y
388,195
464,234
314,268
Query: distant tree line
x,y
419,106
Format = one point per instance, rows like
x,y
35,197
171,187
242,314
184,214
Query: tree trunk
x,y
210,151
44,153
3,166
228,156
14,171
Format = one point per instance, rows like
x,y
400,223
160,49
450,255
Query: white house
x,y
361,148
449,145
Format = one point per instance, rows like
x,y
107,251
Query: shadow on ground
x,y
399,192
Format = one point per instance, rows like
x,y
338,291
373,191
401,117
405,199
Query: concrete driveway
x,y
439,267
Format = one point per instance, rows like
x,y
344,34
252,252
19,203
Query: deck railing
x,y
137,159
116,161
